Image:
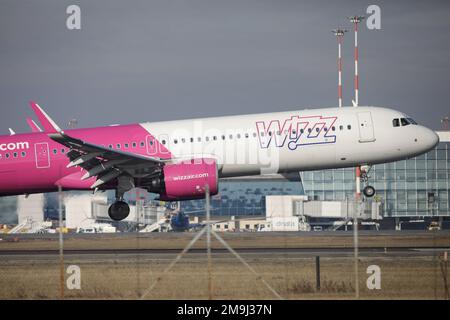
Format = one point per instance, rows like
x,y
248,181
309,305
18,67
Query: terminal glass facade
x,y
244,197
414,187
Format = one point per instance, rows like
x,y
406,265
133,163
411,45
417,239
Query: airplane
x,y
180,159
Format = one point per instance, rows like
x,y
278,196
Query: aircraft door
x,y
152,148
42,155
366,131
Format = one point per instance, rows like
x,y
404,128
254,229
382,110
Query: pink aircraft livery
x,y
178,159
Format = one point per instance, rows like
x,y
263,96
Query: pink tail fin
x,y
47,123
34,127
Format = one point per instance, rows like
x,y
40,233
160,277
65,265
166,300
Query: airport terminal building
x,y
418,187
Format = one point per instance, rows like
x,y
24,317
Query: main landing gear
x,y
368,191
119,210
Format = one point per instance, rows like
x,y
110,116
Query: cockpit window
x,y
411,120
404,122
396,123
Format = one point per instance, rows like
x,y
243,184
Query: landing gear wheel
x,y
119,210
369,191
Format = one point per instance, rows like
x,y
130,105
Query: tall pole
x,y
355,20
208,241
355,247
339,33
358,184
61,244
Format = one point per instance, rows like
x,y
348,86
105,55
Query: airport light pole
x,y
61,243
358,207
355,20
339,33
208,240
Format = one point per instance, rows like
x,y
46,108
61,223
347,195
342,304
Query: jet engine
x,y
186,180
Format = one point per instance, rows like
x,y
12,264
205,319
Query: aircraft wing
x,y
103,163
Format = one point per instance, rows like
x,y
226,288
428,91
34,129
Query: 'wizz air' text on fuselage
x,y
296,131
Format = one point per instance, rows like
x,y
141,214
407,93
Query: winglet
x,y
49,125
34,127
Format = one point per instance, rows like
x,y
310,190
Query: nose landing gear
x,y
368,190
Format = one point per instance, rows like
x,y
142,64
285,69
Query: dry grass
x,y
407,278
402,278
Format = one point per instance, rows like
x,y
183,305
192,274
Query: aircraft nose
x,y
429,139
433,139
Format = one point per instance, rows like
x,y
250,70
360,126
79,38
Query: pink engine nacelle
x,y
186,180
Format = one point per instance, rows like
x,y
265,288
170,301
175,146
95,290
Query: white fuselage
x,y
295,140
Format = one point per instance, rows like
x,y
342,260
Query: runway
x,y
262,246
260,254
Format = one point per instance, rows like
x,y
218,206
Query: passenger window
x,y
142,144
23,154
207,139
7,155
231,137
183,140
325,129
15,154
223,137
396,123
214,138
63,150
55,151
309,130
333,128
301,131
192,140
133,144
295,131
341,128
317,129
163,142
175,141
349,127
199,139
239,135
254,134
118,146
246,135
126,144
110,146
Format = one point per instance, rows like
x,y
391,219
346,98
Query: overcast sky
x,y
154,60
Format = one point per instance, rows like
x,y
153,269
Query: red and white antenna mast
x,y
339,33
355,20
